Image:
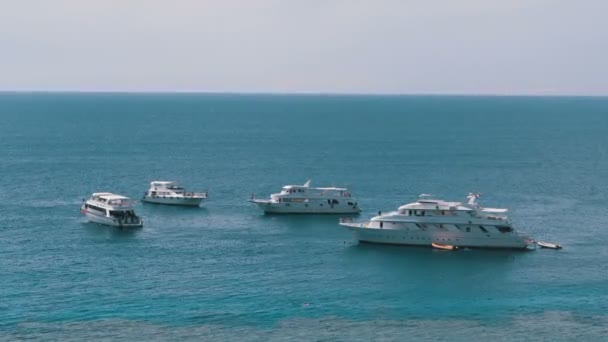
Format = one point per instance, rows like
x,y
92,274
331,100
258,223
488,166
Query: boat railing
x,y
176,195
498,218
197,194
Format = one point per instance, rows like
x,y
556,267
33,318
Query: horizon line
x,y
296,93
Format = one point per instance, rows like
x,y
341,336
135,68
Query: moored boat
x,y
430,220
549,245
166,192
444,246
112,210
304,199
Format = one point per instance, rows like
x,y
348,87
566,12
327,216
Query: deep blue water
x,y
227,272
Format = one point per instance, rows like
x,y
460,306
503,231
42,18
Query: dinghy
x,y
445,247
549,245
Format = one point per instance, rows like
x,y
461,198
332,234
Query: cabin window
x,y
422,226
96,208
115,213
504,229
468,229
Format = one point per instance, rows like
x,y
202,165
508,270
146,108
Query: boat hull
x,y
427,238
183,201
549,245
94,218
270,207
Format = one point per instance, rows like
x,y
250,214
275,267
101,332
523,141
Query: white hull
x,y
426,238
186,201
311,207
110,221
548,245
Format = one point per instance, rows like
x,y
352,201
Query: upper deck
x,y
305,191
427,206
165,185
111,201
430,204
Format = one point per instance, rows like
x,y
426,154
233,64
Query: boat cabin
x,y
112,200
110,205
165,188
426,206
301,191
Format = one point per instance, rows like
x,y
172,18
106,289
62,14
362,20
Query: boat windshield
x,y
120,202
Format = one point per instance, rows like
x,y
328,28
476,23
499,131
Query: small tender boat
x,y
163,192
445,247
112,210
549,245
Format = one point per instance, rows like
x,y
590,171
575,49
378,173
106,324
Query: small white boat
x,y
304,199
112,210
164,192
549,245
443,246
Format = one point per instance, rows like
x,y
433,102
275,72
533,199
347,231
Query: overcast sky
x,y
319,46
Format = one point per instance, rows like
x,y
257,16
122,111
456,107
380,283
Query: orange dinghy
x,y
445,247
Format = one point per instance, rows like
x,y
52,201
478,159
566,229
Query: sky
x,y
532,47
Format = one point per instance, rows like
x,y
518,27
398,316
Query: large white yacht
x,y
429,221
164,192
302,199
110,209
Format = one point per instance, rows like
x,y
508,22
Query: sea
x,y
227,272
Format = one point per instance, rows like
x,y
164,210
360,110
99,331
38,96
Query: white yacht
x,y
432,221
110,209
163,192
302,199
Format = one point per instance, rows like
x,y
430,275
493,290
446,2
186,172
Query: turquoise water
x,y
227,272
